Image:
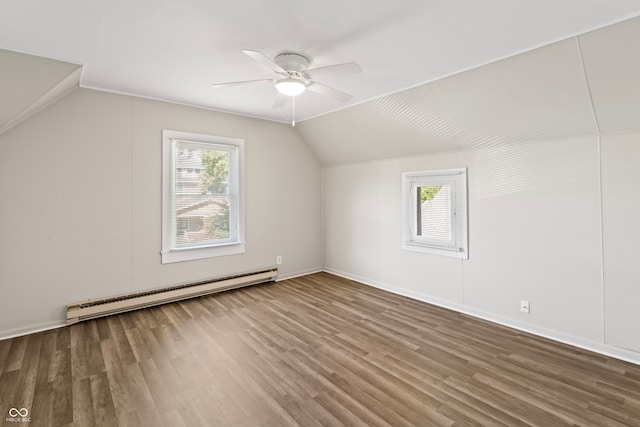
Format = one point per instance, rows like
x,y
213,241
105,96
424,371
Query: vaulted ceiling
x,y
425,88
175,49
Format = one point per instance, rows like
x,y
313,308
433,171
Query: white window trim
x,y
238,246
412,242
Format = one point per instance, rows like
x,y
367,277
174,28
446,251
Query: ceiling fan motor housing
x,y
292,62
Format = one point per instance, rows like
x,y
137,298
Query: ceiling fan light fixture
x,y
290,87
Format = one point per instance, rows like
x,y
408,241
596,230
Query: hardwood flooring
x,y
315,350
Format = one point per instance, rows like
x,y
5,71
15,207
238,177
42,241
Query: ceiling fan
x,y
294,76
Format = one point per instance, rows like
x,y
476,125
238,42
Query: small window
x,y
435,212
202,213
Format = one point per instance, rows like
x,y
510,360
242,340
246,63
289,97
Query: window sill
x,y
190,254
417,247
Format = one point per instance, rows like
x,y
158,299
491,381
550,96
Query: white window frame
x,y
457,180
236,243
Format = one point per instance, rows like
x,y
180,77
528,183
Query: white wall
x,y
621,212
534,234
81,203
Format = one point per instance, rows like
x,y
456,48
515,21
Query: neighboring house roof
x,y
201,207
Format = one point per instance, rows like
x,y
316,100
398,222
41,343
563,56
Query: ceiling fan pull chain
x,y
293,111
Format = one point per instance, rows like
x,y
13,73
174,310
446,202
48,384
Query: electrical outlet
x,y
279,260
524,306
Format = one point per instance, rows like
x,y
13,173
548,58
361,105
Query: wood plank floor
x,y
316,350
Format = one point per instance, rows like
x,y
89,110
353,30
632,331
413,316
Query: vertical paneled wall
x,y
621,213
81,218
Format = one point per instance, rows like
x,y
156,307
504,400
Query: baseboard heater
x,y
92,309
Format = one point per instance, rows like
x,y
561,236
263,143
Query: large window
x,y
202,213
435,212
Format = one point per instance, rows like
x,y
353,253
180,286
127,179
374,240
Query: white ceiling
x,y
174,49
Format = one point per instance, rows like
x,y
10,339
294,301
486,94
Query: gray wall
x,y
81,203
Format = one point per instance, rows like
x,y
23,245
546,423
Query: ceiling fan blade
x,y
332,70
280,100
216,85
329,92
265,61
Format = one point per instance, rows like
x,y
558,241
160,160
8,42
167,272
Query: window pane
x,y
434,212
201,193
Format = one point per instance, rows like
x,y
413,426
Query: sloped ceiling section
x,y
612,62
398,125
540,95
29,83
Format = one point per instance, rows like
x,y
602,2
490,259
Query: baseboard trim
x,y
299,273
601,348
41,327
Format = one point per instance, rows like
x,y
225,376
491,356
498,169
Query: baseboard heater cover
x,y
92,309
